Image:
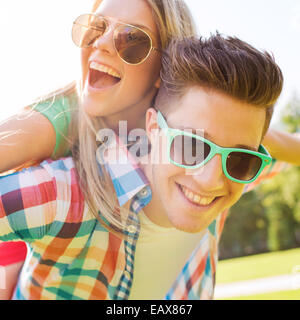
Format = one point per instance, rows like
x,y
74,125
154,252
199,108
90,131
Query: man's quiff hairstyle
x,y
225,64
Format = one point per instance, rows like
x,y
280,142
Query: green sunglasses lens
x,y
190,152
243,166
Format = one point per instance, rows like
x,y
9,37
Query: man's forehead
x,y
208,136
218,117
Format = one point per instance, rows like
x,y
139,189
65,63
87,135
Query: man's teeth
x,y
102,68
196,198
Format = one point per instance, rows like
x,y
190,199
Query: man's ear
x,y
151,125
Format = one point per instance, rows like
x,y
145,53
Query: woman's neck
x,y
128,119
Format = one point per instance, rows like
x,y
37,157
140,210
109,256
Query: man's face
x,y
226,122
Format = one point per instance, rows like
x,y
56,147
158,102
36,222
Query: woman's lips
x,y
99,80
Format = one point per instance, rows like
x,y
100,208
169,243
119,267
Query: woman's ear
x,y
151,125
157,83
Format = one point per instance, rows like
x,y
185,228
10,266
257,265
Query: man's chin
x,y
189,226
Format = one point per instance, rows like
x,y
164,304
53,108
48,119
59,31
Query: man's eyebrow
x,y
209,137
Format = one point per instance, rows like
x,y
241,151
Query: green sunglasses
x,y
239,165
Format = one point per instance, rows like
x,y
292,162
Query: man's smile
x,y
196,198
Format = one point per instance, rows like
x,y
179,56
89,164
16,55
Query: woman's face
x,y
129,97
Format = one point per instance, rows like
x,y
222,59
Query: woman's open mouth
x,y
102,77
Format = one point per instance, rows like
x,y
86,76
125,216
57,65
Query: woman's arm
x,y
38,132
283,146
24,139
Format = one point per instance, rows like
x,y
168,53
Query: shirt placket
x,y
132,233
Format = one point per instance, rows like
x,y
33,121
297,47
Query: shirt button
x,y
144,192
131,229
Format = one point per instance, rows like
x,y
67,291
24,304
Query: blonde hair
x,y
173,19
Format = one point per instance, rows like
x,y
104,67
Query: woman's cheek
x,y
84,56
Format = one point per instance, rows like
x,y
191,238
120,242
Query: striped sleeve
x,y
29,199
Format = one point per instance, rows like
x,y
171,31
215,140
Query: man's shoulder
x,y
62,170
61,164
63,175
48,170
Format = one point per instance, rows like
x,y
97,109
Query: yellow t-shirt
x,y
159,258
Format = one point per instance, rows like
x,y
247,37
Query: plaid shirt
x,y
71,255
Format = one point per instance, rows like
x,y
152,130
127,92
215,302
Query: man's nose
x,y
210,177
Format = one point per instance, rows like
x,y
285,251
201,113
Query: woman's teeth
x,y
105,69
196,198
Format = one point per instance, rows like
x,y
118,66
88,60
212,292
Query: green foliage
x,y
291,115
281,203
245,229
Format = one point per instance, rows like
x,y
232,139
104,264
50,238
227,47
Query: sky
x,y
37,54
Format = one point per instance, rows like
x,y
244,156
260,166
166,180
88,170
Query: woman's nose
x,y
210,177
104,42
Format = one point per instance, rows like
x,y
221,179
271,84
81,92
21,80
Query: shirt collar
x,y
127,176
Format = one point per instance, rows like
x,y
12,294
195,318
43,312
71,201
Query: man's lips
x,y
197,199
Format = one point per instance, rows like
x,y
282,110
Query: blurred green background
x,y
265,220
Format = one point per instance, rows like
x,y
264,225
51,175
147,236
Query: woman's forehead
x,y
135,12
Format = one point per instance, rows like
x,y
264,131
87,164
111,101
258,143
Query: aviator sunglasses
x,y
239,165
132,44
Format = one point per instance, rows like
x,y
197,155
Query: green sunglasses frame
x,y
171,133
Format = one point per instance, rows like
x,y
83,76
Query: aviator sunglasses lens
x,y
132,44
86,29
243,166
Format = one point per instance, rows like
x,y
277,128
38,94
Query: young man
x,y
223,87
226,90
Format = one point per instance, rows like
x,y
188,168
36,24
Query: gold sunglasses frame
x,y
117,24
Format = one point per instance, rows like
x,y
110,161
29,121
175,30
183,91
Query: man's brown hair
x,y
226,64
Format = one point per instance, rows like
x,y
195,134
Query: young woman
x,y
114,86
117,83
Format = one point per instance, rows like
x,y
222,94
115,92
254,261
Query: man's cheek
x,y
237,191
